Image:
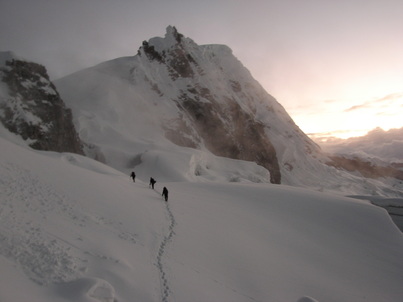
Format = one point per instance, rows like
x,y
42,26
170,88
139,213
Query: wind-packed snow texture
x,y
73,229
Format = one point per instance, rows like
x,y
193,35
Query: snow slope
x,y
73,229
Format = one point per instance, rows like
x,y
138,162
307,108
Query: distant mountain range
x,y
174,96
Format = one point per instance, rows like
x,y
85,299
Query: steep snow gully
x,y
165,290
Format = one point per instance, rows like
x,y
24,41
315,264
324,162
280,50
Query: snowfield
x,y
73,229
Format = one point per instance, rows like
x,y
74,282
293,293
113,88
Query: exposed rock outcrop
x,y
32,108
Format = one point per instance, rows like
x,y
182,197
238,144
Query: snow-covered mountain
x,y
179,94
31,107
92,235
195,96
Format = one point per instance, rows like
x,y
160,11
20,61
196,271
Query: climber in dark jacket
x,y
165,193
133,176
152,182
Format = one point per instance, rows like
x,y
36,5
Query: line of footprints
x,y
163,278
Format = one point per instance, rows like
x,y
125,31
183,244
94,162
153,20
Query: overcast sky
x,y
336,66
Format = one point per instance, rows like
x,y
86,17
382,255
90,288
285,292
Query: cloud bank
x,y
385,145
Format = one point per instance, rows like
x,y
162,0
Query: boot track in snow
x,y
165,290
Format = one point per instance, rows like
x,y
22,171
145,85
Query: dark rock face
x,y
231,132
34,109
151,53
178,61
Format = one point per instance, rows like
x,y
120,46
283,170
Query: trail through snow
x,y
165,290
